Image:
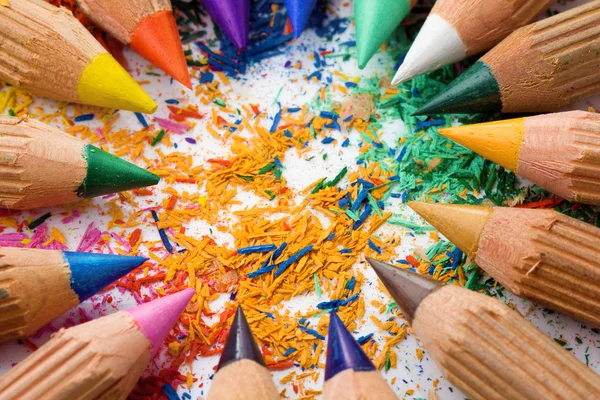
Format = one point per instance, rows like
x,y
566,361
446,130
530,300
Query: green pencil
x,y
41,166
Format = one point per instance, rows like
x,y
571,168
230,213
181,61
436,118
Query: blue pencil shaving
x,y
284,265
373,246
426,124
261,248
206,77
401,155
317,59
289,351
327,140
278,162
362,218
364,339
360,197
457,257
311,332
293,109
366,184
279,251
162,234
83,117
172,101
343,202
331,236
287,133
335,304
186,396
345,251
329,114
350,84
262,271
351,283
316,74
346,142
351,43
276,120
170,392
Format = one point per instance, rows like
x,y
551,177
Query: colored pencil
x,y
147,26
101,359
299,12
349,374
242,373
232,17
483,347
47,52
37,286
456,29
541,67
542,255
43,166
558,152
375,21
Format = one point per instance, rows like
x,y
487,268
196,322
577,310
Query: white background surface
x,y
260,85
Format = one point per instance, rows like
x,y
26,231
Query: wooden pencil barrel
x,y
490,352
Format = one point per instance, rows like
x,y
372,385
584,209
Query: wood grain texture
x,y
545,256
25,307
39,165
102,359
491,352
561,153
121,17
550,64
44,49
481,24
243,380
358,385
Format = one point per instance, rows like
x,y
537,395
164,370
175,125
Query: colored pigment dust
x,y
265,203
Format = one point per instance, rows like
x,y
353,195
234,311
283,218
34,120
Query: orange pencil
x,y
147,26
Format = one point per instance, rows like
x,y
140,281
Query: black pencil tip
x,y
407,288
240,343
343,352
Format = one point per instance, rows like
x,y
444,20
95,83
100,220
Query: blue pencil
x,y
37,286
299,12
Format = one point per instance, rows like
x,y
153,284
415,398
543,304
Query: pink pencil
x,y
101,359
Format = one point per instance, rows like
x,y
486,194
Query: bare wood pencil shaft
x,y
546,257
38,162
482,24
74,366
243,380
356,385
24,308
40,40
121,18
553,62
562,152
490,352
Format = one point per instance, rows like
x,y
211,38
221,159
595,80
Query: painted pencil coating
x,y
542,255
37,286
242,366
488,350
455,30
147,26
232,17
299,12
542,67
528,147
101,359
42,166
47,52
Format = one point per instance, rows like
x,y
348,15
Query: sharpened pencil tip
x,y
232,17
240,343
407,288
343,351
92,272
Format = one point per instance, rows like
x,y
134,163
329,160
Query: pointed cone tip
x,y
156,318
240,344
299,13
232,17
107,173
407,288
105,83
157,40
461,224
343,351
92,272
